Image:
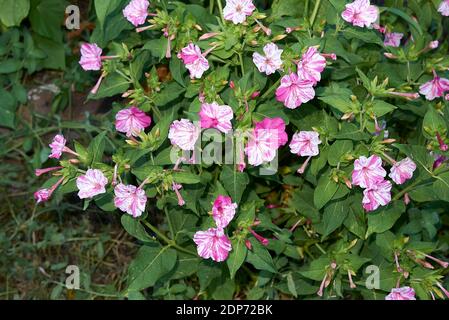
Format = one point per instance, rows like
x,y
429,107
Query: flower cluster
x,y
214,243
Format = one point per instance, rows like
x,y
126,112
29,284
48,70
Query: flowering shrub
x,y
288,151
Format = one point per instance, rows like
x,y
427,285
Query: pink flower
x,y
39,172
57,146
360,13
378,194
434,88
131,121
402,171
275,127
271,61
212,243
183,134
91,184
194,60
393,39
130,199
213,115
223,211
368,171
237,10
444,8
42,195
294,91
305,143
90,56
176,187
311,65
404,293
136,12
267,136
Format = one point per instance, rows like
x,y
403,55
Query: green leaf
x,y
433,122
177,70
112,85
316,269
50,26
339,102
237,256
150,264
381,108
96,148
260,258
337,150
441,186
104,8
135,228
186,177
13,11
333,217
324,191
406,17
7,109
234,182
10,66
384,218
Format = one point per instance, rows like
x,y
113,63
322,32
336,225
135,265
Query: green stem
x,y
314,12
270,90
168,241
241,64
170,225
220,8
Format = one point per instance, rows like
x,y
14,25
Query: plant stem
x,y
168,241
270,90
220,8
314,12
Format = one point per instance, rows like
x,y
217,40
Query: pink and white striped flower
x,y
393,39
434,88
305,143
402,171
130,199
443,8
266,138
131,121
377,194
90,56
212,243
294,91
44,195
223,211
368,171
213,115
91,184
360,13
194,60
57,146
271,61
404,293
311,65
183,134
237,10
136,12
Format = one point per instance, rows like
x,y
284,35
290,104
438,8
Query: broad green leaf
x,y
104,8
441,186
234,182
237,256
135,228
384,218
96,148
112,85
150,264
260,258
324,191
333,217
13,11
